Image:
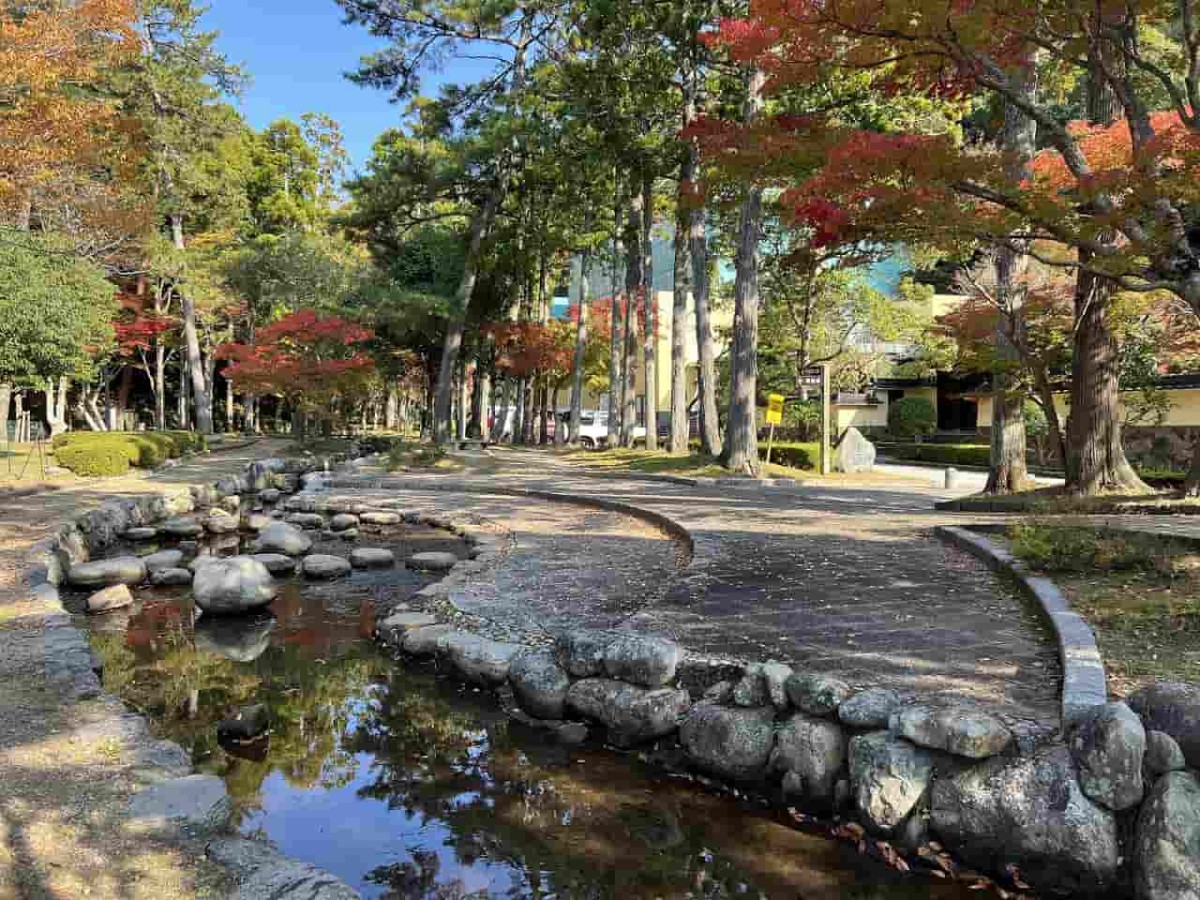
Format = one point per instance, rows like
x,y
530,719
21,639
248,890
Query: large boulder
x,y
343,521
115,596
817,695
424,640
889,777
581,652
372,558
729,742
324,566
872,708
163,559
280,537
1172,707
961,730
1029,811
1109,746
479,659
631,714
854,453
642,660
813,752
233,585
1166,847
104,572
763,683
539,684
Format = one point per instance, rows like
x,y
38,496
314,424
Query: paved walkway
x,y
828,578
67,769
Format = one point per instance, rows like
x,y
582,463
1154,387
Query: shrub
x,y
96,450
912,416
946,454
795,455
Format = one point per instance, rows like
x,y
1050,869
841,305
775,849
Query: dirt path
x,y
68,767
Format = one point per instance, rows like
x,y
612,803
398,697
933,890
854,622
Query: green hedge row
x,y
93,453
796,455
948,454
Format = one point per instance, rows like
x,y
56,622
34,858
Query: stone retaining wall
x,y
1111,803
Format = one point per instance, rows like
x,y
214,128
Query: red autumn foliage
x,y
302,355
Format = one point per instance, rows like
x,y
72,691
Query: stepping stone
x,y
343,522
276,563
270,495
104,572
171,577
280,537
306,520
141,534
114,597
372,558
184,528
258,521
433,561
319,565
163,559
380,518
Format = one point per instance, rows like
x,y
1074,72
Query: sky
x,y
296,52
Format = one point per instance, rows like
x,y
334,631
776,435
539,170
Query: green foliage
x,y
93,453
912,416
56,311
1069,548
794,455
949,454
803,419
1036,423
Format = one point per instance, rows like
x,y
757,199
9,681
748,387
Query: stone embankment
x,y
1111,802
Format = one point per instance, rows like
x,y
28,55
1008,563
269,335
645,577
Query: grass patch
x,y
1140,593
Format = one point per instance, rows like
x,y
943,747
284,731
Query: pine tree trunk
x,y
160,385
633,296
480,223
616,370
649,316
195,365
741,440
6,393
545,415
581,339
679,402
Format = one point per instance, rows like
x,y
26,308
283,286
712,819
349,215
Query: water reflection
x,y
407,786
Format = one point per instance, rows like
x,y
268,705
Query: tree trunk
x,y
195,364
680,430
545,415
581,338
6,393
616,366
229,404
160,385
183,398
634,290
1007,471
480,223
741,447
649,316
477,427
1095,456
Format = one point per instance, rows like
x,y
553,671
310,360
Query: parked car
x,y
593,430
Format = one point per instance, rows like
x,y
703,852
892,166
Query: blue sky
x,y
297,52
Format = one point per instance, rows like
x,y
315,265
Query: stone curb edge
x,y
70,669
1084,683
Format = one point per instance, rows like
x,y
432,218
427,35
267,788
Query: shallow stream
x,y
406,785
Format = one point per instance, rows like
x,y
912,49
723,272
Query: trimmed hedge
x,y
95,453
948,454
795,455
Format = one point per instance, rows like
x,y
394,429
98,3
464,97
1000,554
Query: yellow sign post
x,y
774,417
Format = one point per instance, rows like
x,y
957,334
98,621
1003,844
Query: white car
x,y
593,430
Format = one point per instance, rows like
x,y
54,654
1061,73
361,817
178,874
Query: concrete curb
x,y
1083,668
